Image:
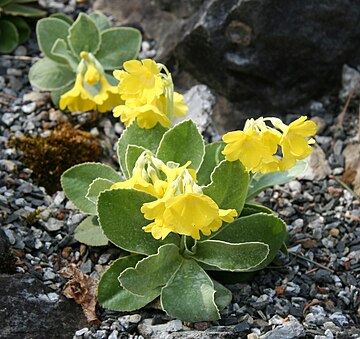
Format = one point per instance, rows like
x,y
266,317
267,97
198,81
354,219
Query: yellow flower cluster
x,y
91,90
257,145
181,207
148,95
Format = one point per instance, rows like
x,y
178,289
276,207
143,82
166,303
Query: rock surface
x,y
264,55
28,309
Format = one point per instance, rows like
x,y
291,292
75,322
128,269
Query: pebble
x,y
29,108
53,224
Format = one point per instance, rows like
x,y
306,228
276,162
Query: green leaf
x,y
260,182
101,20
48,30
96,187
77,179
84,35
152,273
56,94
182,143
229,256
254,208
61,51
132,154
222,295
63,17
48,75
112,296
134,135
122,221
112,55
4,2
26,11
189,295
9,36
22,27
229,183
260,227
212,158
90,233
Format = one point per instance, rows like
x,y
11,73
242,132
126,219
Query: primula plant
x,y
79,59
183,209
14,30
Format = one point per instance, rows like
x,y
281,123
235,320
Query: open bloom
x,y
257,145
91,91
140,79
148,114
148,95
254,148
180,207
78,98
295,143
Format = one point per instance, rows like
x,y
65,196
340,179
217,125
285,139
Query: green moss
x,y
33,217
49,157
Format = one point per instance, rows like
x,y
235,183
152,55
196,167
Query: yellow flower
x,y
78,98
180,108
186,214
294,142
255,149
141,80
108,96
139,183
92,75
146,114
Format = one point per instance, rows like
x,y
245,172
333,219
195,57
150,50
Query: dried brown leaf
x,y
82,289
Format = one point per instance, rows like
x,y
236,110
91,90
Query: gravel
x,y
312,293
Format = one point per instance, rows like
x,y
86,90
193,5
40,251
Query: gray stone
x,y
288,330
29,108
318,167
53,224
27,311
9,118
266,56
200,101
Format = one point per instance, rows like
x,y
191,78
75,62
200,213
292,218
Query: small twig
x,y
21,57
342,115
313,262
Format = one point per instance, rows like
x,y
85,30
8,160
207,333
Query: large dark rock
x,y
262,55
29,310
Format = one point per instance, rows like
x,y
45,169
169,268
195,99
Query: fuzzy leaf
x,y
84,35
112,296
122,221
212,158
96,187
76,181
90,233
26,11
260,182
132,154
9,36
63,17
228,187
48,75
259,227
134,135
117,46
61,51
101,20
48,30
153,272
182,143
229,256
190,294
223,296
